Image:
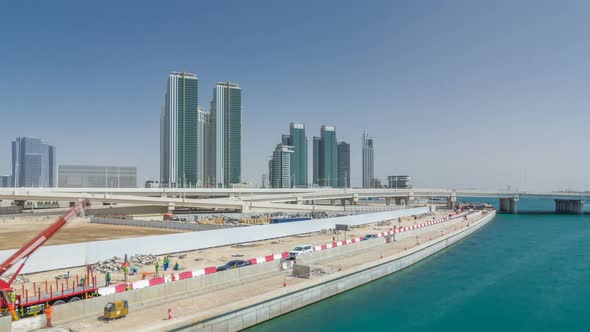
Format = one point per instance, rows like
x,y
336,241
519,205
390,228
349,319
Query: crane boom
x,y
28,249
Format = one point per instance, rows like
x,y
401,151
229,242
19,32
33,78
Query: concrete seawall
x,y
284,301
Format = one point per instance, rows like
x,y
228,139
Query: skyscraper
x,y
209,179
325,158
368,166
298,141
33,163
226,112
343,165
316,160
181,133
279,167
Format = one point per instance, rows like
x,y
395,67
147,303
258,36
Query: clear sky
x,y
464,94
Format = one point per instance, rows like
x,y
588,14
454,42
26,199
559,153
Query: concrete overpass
x,y
303,199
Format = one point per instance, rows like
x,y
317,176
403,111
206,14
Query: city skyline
x,y
415,74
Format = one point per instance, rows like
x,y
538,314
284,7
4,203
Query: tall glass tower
x,y
316,160
279,169
33,163
343,165
368,166
325,158
226,112
181,133
298,141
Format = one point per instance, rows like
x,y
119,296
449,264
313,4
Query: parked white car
x,y
300,249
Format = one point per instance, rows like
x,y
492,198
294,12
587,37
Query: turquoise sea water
x,y
526,272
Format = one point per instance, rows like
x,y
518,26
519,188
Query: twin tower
x,y
200,148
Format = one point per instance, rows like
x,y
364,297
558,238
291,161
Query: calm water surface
x,y
519,273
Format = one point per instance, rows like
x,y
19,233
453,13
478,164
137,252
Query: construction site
x,y
82,259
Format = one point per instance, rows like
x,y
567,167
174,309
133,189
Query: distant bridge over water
x,y
292,199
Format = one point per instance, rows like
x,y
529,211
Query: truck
x,y
19,303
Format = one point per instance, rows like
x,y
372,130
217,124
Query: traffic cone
x,y
170,315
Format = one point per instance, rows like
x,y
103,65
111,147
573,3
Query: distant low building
x,y
399,182
243,185
90,176
5,181
152,184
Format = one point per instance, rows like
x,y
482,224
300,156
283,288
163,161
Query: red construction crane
x,y
26,251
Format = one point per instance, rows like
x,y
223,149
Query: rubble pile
x,y
143,260
315,273
20,279
114,264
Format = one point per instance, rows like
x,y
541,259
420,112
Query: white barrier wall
x,y
79,254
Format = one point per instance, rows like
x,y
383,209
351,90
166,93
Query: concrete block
x,y
221,326
235,324
249,319
6,323
262,314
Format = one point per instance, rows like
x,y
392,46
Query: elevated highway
x,y
295,199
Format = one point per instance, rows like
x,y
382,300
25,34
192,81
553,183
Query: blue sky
x,y
455,93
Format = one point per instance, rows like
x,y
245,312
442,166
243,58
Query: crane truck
x,y
21,304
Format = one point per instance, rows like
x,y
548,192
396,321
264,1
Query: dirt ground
x,y
16,231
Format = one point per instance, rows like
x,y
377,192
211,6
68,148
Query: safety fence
x,y
268,258
185,226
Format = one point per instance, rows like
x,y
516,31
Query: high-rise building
x,y
325,158
33,163
264,181
343,165
298,141
89,176
226,112
328,157
279,167
368,158
286,139
209,178
316,160
182,130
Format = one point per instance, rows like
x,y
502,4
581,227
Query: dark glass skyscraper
x,y
325,158
343,165
368,161
298,141
316,160
181,130
226,112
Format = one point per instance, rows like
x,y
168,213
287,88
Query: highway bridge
x,y
292,199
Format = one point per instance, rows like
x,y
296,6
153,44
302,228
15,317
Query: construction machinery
x,y
114,310
22,304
